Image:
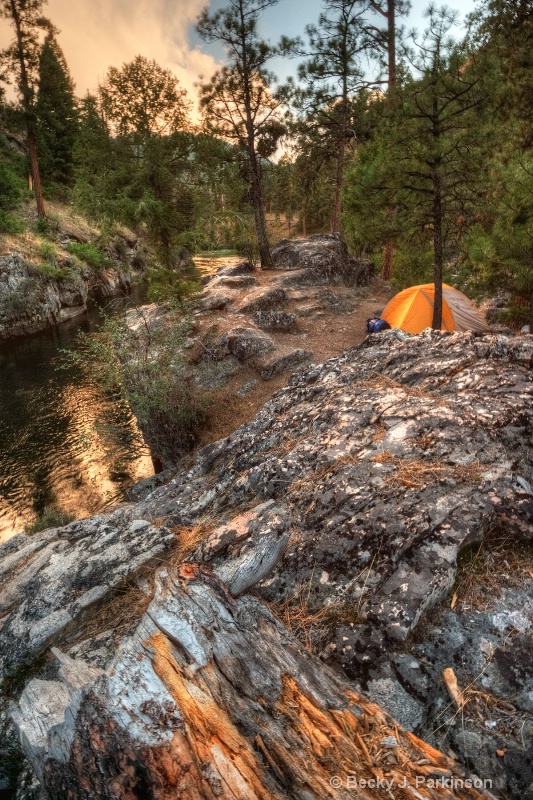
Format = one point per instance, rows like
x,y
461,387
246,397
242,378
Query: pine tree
x,y
20,59
503,32
133,152
334,77
93,162
143,99
57,114
428,161
238,103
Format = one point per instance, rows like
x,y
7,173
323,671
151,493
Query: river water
x,y
63,441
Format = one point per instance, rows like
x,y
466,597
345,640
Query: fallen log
x,y
212,699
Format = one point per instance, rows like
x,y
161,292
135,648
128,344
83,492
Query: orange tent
x,y
412,310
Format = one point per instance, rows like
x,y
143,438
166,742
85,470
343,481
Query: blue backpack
x,y
375,325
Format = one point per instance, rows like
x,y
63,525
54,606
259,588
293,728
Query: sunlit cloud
x,y
97,34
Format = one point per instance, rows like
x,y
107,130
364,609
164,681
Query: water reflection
x,y
63,441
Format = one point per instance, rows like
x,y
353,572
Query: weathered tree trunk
x,y
212,698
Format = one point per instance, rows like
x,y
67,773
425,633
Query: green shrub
x,y
170,286
48,252
121,248
412,265
54,272
51,517
57,191
89,253
10,224
147,367
12,187
43,226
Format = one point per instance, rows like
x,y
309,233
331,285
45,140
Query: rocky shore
x,y
33,299
370,529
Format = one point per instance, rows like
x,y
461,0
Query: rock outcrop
x,y
50,581
33,299
385,466
351,501
210,698
320,259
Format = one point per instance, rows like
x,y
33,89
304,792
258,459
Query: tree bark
x,y
437,252
388,251
211,698
337,205
265,256
388,256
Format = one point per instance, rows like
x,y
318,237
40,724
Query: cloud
x,y
97,34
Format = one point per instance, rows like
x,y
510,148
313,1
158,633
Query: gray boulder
x,y
320,259
282,359
262,299
275,320
246,343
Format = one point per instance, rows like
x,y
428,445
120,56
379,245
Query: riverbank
x,y
50,271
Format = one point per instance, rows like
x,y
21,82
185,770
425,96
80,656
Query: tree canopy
x,y
415,146
144,98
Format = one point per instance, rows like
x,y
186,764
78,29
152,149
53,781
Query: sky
x,y
97,34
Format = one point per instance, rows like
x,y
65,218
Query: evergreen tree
x,y
427,163
503,33
333,76
500,246
143,99
94,162
238,103
20,60
383,41
57,114
133,153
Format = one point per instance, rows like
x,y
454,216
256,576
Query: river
x,y
63,441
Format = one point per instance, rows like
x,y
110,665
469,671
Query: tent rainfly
x,y
412,310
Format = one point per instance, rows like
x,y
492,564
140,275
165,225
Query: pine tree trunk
x,y
339,178
337,205
388,255
265,256
388,252
35,172
212,699
437,252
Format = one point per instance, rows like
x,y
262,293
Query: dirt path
x,y
324,332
